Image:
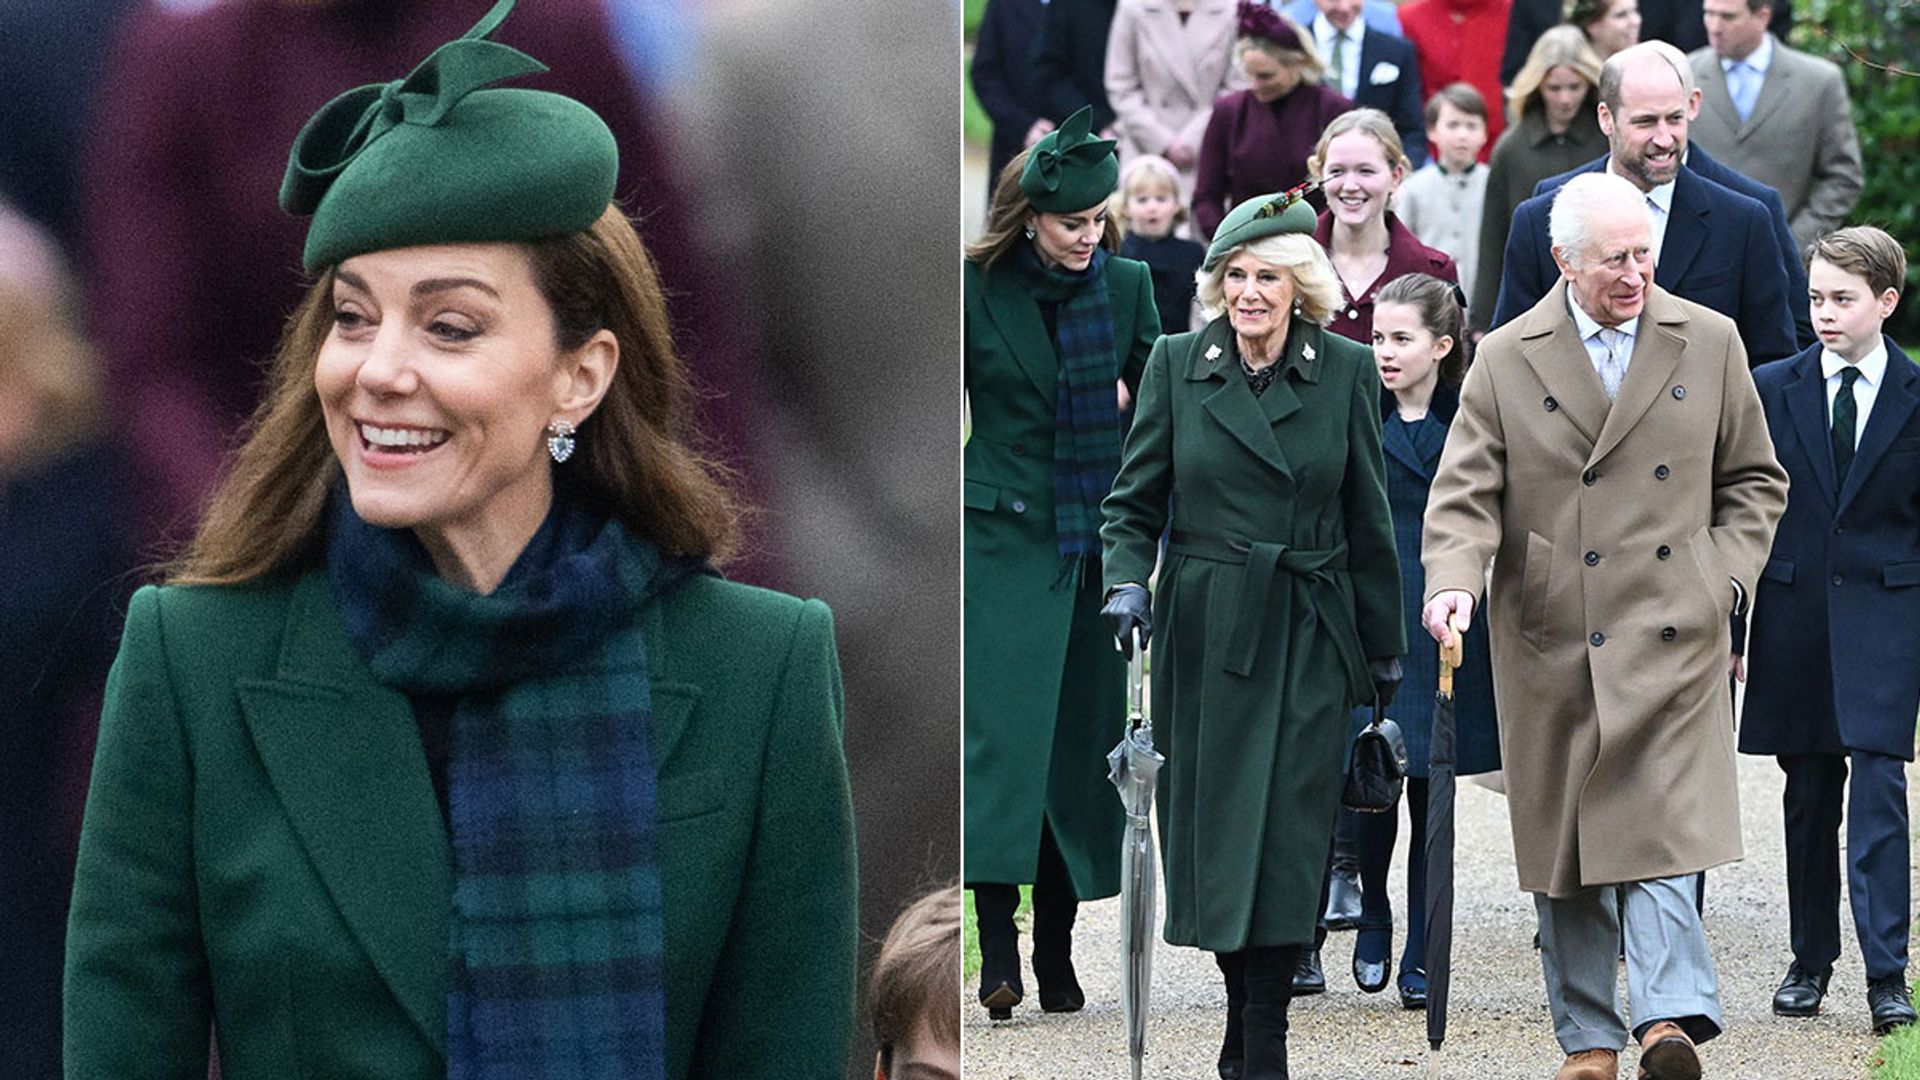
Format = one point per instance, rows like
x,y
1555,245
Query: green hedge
x,y
1886,108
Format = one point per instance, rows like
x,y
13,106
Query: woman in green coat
x,y
443,754
1278,606
1054,324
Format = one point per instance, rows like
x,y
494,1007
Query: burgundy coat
x,y
1405,255
1253,147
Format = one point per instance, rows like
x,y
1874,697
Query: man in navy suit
x,y
1836,622
1712,245
1371,66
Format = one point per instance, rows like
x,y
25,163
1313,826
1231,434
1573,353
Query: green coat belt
x,y
1280,581
1045,690
263,854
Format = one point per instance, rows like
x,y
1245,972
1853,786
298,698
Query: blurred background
x,y
790,165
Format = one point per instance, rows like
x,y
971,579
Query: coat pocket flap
x,y
975,495
1897,574
1779,570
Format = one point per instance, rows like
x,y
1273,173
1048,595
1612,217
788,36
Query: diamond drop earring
x,y
560,440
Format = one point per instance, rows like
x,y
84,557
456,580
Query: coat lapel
x,y
1892,407
1656,352
1166,36
1231,404
1025,332
1775,89
1689,228
1806,398
1551,345
344,755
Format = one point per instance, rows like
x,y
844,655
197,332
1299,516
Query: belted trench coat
x,y
1281,581
1617,531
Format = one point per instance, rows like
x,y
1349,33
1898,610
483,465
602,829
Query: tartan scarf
x,y
1086,422
555,949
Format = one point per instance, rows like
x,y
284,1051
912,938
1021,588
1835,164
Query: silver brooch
x,y
1306,349
1213,352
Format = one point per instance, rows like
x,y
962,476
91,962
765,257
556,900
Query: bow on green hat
x,y
435,158
1070,169
1260,217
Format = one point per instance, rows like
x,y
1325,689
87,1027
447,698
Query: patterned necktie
x,y
1744,82
1844,423
1613,367
1336,70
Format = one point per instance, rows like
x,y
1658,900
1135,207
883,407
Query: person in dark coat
x,y
1420,351
1373,68
1072,60
1259,139
1833,688
1552,129
1053,322
1008,82
1257,439
1715,247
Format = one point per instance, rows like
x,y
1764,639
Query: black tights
x,y
1259,989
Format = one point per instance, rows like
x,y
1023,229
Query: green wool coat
x,y
263,854
1045,690
1281,581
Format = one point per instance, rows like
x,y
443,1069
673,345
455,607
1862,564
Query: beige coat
x,y
1162,75
1614,532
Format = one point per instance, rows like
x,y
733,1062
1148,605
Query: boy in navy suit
x,y
1836,624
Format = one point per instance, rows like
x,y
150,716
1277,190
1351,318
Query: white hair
x,y
1584,200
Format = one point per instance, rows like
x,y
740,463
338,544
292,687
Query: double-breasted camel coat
x,y
1045,690
1280,583
1616,532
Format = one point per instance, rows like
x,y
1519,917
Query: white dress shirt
x,y
1873,371
1323,34
1659,205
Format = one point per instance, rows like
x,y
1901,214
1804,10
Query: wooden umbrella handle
x,y
1450,655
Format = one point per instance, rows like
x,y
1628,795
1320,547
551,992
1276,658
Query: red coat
x,y
1461,41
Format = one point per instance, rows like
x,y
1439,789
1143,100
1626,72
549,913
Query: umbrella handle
x,y
1451,655
1136,683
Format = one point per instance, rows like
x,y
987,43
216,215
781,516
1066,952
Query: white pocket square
x,y
1384,73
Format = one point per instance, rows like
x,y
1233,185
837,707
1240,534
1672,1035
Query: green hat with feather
x,y
1260,217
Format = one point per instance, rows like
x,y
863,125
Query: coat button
x,y
1589,477
1668,634
1838,528
1661,472
1019,449
1598,639
1593,558
1353,313
1019,507
1663,552
1552,404
1839,579
1679,392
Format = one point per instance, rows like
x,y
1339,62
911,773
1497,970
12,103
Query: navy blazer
x,y
1006,79
1411,462
1399,99
1836,616
1701,162
1072,58
1719,251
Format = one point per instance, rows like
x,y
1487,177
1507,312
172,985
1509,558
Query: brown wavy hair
x,y
639,462
1007,218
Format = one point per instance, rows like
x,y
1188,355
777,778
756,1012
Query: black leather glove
x,y
1385,673
1128,608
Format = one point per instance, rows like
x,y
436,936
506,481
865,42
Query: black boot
x,y
1055,907
993,908
1233,1048
1270,971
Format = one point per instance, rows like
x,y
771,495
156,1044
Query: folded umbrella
x,y
1439,853
1134,768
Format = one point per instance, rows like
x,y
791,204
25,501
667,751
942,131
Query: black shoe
x,y
1801,991
1343,900
1891,1002
1370,975
1308,978
1413,989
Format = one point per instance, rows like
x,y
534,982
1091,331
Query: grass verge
x,y
970,937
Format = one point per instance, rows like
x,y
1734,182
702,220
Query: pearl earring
x,y
560,440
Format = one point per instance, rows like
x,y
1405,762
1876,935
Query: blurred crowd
x,y
146,271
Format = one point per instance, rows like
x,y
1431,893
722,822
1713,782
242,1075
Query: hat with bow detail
x,y
1069,169
437,158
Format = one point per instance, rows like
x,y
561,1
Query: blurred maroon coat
x,y
193,267
1253,147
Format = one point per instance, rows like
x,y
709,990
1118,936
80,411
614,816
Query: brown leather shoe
x,y
1590,1065
1667,1054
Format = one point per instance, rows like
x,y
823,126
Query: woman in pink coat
x,y
1167,60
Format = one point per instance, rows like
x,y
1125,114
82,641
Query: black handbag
x,y
1378,769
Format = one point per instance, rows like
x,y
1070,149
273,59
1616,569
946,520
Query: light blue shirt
x,y
1745,76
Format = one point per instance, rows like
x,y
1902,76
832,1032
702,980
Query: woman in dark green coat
x,y
1054,324
443,755
1278,607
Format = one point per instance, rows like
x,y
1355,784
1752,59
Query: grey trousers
x,y
1670,973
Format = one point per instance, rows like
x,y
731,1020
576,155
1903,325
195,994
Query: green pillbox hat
x,y
1260,217
1069,169
434,158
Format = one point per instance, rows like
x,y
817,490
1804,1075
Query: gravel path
x,y
1498,1022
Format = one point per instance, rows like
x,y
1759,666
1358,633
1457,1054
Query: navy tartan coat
x,y
1410,465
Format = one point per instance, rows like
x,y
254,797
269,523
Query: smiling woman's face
x,y
437,381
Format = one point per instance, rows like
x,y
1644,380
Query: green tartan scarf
x,y
1086,425
555,950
